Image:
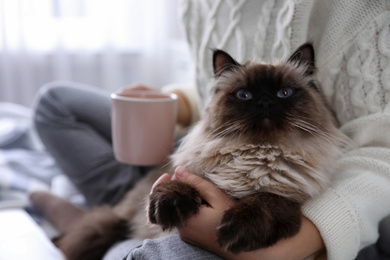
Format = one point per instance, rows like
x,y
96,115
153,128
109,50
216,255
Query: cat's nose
x,y
265,104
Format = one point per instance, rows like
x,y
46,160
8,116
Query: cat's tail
x,y
92,235
84,235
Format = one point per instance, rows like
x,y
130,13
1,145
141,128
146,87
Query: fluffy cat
x,y
266,138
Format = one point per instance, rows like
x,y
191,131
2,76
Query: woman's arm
x,y
199,229
355,80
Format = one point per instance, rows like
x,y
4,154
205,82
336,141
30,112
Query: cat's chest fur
x,y
241,169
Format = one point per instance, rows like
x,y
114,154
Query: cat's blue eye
x,y
284,93
244,94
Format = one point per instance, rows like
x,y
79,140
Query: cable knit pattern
x,y
358,71
383,52
352,43
233,30
260,33
281,47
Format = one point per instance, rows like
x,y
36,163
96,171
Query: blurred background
x,y
105,43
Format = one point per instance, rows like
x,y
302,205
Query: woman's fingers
x,y
214,196
163,178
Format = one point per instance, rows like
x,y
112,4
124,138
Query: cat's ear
x,y
223,62
304,55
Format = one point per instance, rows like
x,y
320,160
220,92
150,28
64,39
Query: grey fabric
x,y
170,247
73,121
381,249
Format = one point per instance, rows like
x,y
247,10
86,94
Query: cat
x,y
266,138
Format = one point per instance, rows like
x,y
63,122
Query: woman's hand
x,y
200,229
183,109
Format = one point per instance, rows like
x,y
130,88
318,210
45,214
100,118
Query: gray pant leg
x,y
73,121
170,247
381,249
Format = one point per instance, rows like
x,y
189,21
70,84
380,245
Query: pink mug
x,y
143,124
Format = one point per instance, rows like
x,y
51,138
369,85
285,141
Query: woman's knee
x,y
50,102
52,92
64,101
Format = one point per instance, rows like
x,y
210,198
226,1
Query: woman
x,y
351,40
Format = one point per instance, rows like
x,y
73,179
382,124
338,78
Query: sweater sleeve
x,y
357,84
189,92
347,215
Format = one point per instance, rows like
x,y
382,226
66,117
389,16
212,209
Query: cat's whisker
x,y
303,126
218,129
319,131
311,129
238,131
228,131
241,133
304,119
224,130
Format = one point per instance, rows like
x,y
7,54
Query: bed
x,y
25,167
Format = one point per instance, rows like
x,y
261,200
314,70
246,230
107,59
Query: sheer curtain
x,y
106,43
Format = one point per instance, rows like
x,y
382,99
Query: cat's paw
x,y
172,203
258,222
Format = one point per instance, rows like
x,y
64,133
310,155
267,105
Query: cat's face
x,y
264,101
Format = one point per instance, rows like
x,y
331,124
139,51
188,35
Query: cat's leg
x,y
172,203
258,221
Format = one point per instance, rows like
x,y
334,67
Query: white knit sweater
x,y
352,44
